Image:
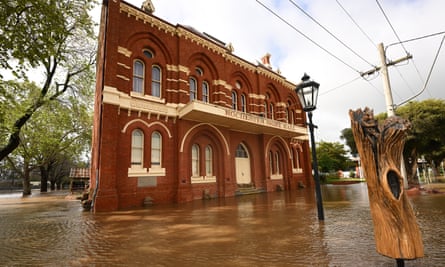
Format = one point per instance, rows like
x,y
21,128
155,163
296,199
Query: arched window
x,y
209,161
296,159
199,71
271,162
148,53
243,103
193,89
271,111
156,81
137,148
234,101
277,162
205,92
195,160
241,152
156,149
265,109
138,76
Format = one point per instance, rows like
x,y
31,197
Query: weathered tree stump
x,y
396,232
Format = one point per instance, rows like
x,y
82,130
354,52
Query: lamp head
x,y
307,92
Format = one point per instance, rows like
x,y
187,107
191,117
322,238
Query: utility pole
x,y
388,93
385,75
386,84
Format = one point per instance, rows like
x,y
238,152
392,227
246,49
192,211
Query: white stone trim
x,y
203,179
276,177
134,171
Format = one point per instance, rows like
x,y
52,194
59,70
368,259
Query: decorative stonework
x,y
182,32
255,96
124,51
123,77
123,65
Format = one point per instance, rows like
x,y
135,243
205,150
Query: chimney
x,y
148,7
266,60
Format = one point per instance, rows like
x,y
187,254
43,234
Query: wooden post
x,y
396,232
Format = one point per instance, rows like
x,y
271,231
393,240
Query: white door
x,y
242,165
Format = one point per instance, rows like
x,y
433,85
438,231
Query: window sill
x,y
142,172
203,179
157,171
276,177
297,170
137,172
147,97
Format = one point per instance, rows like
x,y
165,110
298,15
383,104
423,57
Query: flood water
x,y
274,229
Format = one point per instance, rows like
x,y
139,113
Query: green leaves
x,y
331,156
55,36
34,30
428,125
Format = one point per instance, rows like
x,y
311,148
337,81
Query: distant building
x,y
179,117
79,178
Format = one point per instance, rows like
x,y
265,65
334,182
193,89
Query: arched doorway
x,y
242,165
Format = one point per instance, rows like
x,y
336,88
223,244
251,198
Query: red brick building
x,y
179,117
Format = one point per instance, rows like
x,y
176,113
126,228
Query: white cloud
x,y
254,31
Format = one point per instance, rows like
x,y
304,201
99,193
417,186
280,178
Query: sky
x,y
333,54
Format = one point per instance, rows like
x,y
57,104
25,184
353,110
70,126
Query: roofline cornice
x,y
193,37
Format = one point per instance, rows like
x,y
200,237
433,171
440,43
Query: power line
x,y
404,80
429,74
340,86
307,37
389,22
329,32
417,38
398,38
356,24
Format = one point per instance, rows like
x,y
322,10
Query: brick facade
x,y
244,128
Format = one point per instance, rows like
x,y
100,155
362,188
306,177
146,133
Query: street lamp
x,y
307,92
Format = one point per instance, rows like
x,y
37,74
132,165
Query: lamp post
x,y
307,92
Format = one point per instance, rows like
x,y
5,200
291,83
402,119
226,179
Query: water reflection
x,y
276,229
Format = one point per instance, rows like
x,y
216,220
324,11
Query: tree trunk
x,y
410,158
52,185
396,232
43,179
26,179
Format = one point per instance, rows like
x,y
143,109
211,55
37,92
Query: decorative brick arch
x,y
149,41
124,129
202,60
283,143
193,130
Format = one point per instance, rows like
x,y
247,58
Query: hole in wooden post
x,y
394,183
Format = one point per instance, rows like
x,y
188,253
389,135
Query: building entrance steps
x,y
248,190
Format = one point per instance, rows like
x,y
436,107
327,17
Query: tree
x,y
346,134
426,136
56,36
59,133
331,156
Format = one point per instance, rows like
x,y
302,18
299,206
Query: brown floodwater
x,y
273,229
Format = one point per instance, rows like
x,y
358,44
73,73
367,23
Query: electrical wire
x,y
340,86
307,37
404,80
329,32
389,22
398,38
417,38
356,24
429,74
